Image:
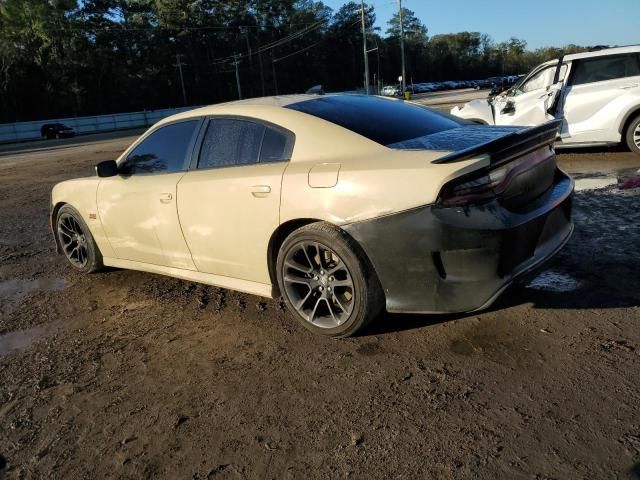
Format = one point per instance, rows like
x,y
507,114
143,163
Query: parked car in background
x,y
391,91
343,204
595,94
56,130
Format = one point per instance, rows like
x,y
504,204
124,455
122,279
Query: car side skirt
x,y
245,286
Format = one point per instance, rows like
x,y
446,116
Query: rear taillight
x,y
488,183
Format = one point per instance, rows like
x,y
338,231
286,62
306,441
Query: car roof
x,y
253,107
603,52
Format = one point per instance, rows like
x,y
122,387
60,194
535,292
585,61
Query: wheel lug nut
x,y
315,278
321,288
331,279
321,272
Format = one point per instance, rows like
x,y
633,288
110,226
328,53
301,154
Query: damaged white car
x,y
596,94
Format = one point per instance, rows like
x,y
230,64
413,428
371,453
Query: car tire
x,y
327,282
632,135
76,242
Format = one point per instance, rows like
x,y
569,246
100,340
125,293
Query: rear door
x,y
229,201
138,207
596,94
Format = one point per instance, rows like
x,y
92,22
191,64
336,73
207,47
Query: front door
x,y
229,203
138,207
528,104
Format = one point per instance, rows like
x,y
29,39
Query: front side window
x,y
542,79
230,142
163,151
600,69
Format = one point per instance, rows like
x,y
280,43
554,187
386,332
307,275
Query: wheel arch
x,y
277,237
626,120
54,215
288,227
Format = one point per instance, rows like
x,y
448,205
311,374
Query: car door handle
x,y
260,190
166,197
630,85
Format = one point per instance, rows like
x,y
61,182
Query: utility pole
x,y
235,64
258,31
377,50
404,81
273,69
364,52
179,65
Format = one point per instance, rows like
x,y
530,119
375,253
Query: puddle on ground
x,y
551,281
17,288
20,340
594,183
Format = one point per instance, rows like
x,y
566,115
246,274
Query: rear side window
x,y
162,151
381,120
232,142
601,69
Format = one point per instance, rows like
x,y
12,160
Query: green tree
x,y
414,30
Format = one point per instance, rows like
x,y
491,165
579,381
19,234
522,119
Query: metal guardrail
x,y
24,131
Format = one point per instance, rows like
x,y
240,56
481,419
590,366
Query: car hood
x,y
479,109
456,139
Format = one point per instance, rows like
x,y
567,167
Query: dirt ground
x,y
123,374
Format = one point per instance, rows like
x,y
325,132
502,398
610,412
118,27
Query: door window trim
x,y
197,147
147,134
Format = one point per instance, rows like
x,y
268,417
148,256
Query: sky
x,y
542,23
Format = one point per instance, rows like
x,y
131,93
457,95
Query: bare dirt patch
x,y
130,375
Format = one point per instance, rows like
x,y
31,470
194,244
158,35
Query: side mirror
x,y
108,168
509,109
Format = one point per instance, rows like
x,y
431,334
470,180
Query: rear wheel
x,y
76,241
633,135
326,282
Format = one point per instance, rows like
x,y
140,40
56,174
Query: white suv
x,y
597,94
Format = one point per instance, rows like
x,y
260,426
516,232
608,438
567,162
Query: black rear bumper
x,y
448,260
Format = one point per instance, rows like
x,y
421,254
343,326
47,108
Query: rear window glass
x,y
605,68
378,119
231,142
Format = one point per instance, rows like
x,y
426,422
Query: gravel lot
x,y
131,375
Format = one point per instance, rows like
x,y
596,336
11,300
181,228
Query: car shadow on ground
x,y
594,291
581,299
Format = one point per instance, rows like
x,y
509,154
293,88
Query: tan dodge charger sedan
x,y
343,204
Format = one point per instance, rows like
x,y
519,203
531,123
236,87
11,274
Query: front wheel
x,y
326,282
76,241
633,135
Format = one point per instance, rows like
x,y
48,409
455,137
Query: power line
x,y
118,27
297,52
272,45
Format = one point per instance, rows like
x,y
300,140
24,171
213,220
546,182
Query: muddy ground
x,y
123,374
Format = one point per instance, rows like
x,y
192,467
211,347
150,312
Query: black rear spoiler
x,y
514,144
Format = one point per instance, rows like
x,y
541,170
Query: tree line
x,y
71,57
